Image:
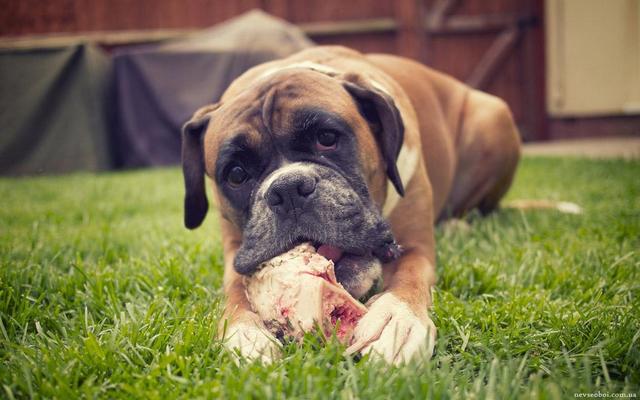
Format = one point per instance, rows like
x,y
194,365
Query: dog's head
x,y
300,155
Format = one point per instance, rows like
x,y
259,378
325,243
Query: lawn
x,y
103,293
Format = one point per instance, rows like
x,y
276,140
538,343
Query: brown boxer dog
x,y
359,154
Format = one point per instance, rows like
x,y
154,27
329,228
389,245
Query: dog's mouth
x,y
385,249
334,253
355,258
357,273
348,242
337,255
386,252
329,252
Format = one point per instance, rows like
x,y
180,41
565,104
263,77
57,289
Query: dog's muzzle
x,y
304,202
290,195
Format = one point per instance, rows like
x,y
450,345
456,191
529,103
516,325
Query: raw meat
x,y
295,290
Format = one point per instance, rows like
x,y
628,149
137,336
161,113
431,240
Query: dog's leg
x,y
397,326
488,153
241,328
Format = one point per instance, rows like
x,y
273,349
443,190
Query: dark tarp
x,y
52,110
75,108
158,88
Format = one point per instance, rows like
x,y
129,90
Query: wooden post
x,y
539,119
411,36
500,49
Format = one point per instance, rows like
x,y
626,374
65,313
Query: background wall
x,y
495,45
599,43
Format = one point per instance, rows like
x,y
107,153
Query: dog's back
x,y
470,144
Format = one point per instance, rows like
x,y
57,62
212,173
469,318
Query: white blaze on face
x,y
305,65
285,169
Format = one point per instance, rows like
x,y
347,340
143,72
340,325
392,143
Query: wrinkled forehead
x,y
277,104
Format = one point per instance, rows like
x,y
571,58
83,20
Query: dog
x,y
361,154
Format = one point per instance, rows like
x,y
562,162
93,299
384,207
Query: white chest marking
x,y
407,162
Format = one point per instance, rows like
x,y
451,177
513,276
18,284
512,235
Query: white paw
x,y
252,341
392,331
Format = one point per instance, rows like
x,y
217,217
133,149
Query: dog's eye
x,y
237,176
326,140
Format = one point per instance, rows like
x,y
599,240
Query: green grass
x,y
104,294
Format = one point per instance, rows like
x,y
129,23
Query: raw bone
x,y
295,290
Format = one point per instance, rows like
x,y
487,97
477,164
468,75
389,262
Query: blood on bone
x,y
346,318
323,275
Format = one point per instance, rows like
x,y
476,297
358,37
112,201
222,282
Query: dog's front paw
x,y
392,331
252,341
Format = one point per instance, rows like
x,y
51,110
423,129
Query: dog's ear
x,y
385,121
195,199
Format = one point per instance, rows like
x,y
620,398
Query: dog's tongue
x,y
330,252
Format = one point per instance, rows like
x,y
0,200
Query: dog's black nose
x,y
290,192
